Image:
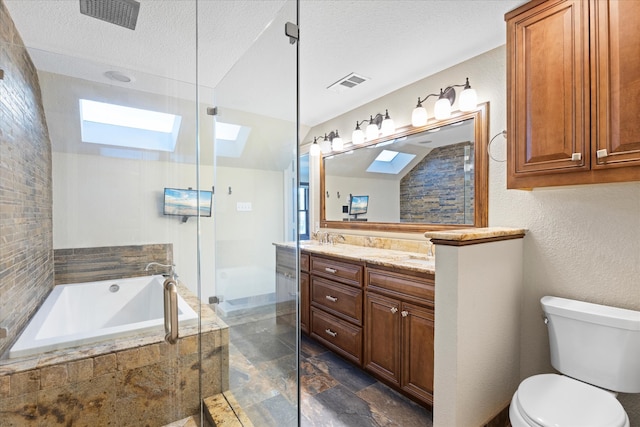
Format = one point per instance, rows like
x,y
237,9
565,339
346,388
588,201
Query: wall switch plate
x,y
243,206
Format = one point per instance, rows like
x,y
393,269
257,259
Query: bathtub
x,y
85,313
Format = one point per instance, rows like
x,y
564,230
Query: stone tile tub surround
x,y
134,381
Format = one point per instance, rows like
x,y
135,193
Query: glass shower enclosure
x,y
99,216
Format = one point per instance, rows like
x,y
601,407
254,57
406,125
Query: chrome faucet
x,y
172,269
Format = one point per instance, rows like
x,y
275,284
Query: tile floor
x,y
333,392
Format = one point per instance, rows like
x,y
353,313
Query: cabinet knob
x,y
404,313
330,298
330,332
601,154
576,157
330,270
394,310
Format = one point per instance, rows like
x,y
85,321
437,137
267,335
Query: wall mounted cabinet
x,y
573,78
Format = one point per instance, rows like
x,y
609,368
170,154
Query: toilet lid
x,y
559,401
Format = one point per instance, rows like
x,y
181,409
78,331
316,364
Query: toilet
x,y
596,350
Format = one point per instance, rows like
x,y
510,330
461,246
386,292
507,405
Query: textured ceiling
x,y
392,42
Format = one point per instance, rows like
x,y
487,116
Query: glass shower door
x,y
255,215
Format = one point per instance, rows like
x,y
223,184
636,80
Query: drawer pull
x,y
601,154
330,270
404,313
330,332
576,157
330,298
394,310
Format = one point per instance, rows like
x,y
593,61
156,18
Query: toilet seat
x,y
554,400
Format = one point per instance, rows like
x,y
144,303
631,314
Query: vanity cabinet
x,y
336,297
287,287
571,65
399,330
304,293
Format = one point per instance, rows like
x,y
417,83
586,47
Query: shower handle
x,y
170,311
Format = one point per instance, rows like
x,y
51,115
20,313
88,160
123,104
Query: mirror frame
x,y
480,176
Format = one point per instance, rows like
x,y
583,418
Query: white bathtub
x,y
85,313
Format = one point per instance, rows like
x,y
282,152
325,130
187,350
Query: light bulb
x,y
419,116
468,100
372,132
442,109
336,143
314,150
325,146
357,137
388,126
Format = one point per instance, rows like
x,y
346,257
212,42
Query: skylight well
x,y
390,162
117,125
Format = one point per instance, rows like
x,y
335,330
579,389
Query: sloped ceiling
x,y
243,53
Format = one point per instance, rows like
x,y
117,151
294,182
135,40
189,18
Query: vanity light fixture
x,y
336,141
378,125
315,149
446,98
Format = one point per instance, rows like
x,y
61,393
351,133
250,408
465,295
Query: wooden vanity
x,y
374,307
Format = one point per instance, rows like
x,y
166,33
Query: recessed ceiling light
x,y
118,76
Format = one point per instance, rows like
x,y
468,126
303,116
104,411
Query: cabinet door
x,y
417,350
615,45
304,302
382,337
548,89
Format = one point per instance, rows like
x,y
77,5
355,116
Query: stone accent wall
x,y
435,191
80,265
26,225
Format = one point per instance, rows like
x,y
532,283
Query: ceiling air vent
x,y
119,12
348,82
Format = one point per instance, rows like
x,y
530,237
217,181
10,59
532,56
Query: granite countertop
x,y
412,261
471,234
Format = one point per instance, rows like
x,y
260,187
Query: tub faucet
x,y
172,269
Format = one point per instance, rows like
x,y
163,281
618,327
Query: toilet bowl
x,y
596,348
551,400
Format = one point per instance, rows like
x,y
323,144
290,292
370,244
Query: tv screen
x,y
185,202
358,205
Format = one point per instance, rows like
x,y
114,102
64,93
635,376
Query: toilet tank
x,y
594,343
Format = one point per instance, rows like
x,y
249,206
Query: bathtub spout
x,y
171,267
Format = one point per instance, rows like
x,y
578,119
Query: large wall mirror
x,y
430,178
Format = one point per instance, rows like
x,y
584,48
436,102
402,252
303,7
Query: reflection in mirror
x,y
432,177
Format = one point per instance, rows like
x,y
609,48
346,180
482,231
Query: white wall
x,y
384,197
583,242
105,201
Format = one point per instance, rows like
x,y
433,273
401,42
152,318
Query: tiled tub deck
x,y
134,381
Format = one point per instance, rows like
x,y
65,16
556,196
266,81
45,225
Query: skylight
x,y
110,124
390,162
230,139
386,156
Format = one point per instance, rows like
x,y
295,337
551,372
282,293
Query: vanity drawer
x,y
337,334
350,274
338,299
393,283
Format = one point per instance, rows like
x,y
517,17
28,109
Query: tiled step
x,y
223,410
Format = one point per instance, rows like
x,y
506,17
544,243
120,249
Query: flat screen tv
x,y
358,205
184,202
